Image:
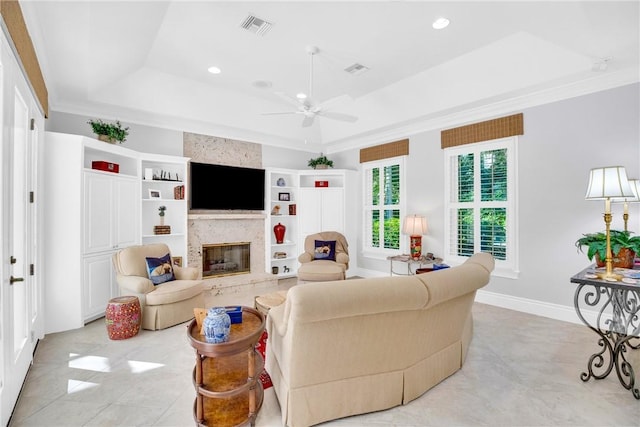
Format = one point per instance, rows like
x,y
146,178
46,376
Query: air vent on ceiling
x,y
256,25
356,69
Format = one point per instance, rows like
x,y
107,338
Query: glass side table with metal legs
x,y
411,263
617,324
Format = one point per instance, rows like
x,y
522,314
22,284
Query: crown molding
x,y
458,117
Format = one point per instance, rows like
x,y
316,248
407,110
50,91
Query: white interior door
x,y
20,293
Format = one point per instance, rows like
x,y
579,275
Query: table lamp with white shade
x,y
415,226
608,183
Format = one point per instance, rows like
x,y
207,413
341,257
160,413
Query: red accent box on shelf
x,y
105,166
322,183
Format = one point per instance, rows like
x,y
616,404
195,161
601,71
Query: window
x,y
481,203
383,205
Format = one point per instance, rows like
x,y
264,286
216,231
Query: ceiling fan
x,y
307,107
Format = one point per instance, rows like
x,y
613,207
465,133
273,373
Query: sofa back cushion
x,y
131,261
341,245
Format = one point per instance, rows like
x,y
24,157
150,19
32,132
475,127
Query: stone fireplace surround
x,y
227,227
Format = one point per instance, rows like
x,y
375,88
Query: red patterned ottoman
x,y
123,317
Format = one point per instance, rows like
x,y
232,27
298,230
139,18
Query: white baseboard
x,y
564,313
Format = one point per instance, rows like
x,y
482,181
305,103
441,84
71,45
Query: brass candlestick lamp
x,y
635,188
608,183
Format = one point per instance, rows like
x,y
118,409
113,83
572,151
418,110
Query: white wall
x,y
141,138
149,139
562,141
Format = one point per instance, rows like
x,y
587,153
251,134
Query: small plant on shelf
x,y
109,132
320,162
161,210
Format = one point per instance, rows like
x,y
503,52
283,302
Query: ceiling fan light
x,y
440,23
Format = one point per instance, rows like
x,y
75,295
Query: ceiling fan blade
x,y
287,98
337,116
280,112
332,102
308,120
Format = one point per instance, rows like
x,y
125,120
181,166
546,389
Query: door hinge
x,y
32,269
33,336
32,196
33,124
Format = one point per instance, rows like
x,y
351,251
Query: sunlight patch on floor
x,y
139,367
91,363
74,386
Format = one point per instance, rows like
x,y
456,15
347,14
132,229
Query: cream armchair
x,y
165,304
314,267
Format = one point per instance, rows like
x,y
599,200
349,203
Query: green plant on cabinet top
x,y
111,131
320,161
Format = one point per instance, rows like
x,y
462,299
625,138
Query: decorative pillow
x,y
325,249
160,269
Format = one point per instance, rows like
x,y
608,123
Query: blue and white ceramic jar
x,y
217,325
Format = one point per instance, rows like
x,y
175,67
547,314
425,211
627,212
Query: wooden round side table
x,y
123,317
226,375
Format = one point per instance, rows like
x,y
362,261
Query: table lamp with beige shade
x,y
415,226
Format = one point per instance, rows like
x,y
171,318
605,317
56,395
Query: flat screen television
x,y
221,187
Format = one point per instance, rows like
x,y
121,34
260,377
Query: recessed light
x,y
301,96
214,70
440,23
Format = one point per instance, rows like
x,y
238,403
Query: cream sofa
x,y
349,347
162,305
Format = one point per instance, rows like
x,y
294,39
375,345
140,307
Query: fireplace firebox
x,y
225,259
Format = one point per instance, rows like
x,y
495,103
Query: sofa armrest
x,y
136,284
185,273
276,320
342,258
305,257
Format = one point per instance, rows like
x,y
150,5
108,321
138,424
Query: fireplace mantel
x,y
227,216
220,227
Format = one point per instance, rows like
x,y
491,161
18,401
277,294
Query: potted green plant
x,y
320,162
109,132
161,210
624,247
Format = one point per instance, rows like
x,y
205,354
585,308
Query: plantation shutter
x,y
479,224
382,204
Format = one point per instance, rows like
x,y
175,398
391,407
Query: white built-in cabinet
x,y
105,197
330,208
90,214
110,206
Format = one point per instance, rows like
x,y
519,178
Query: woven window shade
x,y
385,151
483,131
14,21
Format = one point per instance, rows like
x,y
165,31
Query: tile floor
x,y
522,370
